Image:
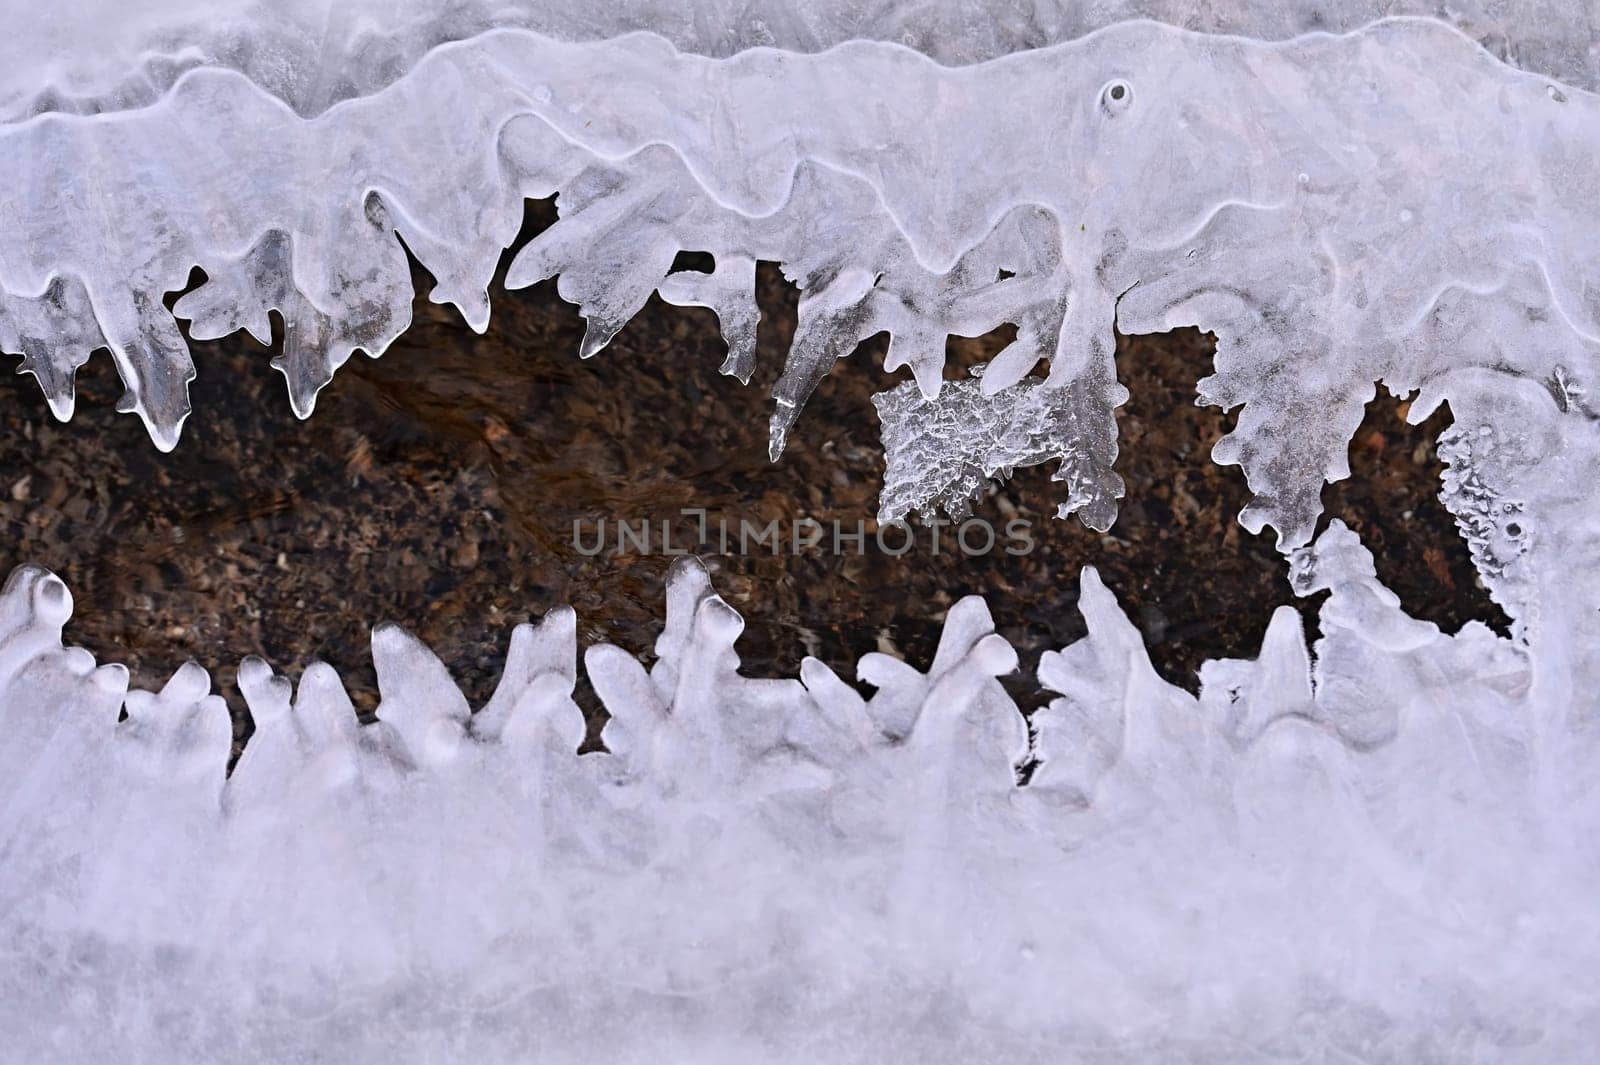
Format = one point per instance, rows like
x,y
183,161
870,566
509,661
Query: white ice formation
x,y
1383,848
1385,205
1377,854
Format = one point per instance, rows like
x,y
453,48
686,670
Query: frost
x,y
940,452
1376,852
1339,210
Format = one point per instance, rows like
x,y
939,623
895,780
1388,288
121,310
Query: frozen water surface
x,y
1382,852
1346,206
1378,848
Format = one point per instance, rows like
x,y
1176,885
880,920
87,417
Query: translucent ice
x,y
940,452
1340,210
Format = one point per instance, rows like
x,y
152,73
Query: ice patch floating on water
x,y
1375,855
1385,851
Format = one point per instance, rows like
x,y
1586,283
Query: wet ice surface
x,y
1381,847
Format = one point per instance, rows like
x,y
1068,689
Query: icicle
x,y
1320,272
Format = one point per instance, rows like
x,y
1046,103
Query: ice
x,y
1342,211
1379,847
939,453
1385,850
95,56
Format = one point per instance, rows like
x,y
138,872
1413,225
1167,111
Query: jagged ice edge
x,y
1339,210
1390,847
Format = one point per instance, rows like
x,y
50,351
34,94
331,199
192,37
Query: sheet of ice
x,y
97,55
1379,855
1332,207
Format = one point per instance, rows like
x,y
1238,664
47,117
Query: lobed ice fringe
x,y
1390,205
1386,853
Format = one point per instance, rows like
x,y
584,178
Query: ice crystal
x,y
941,451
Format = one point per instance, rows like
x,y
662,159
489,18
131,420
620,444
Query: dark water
x,y
440,485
